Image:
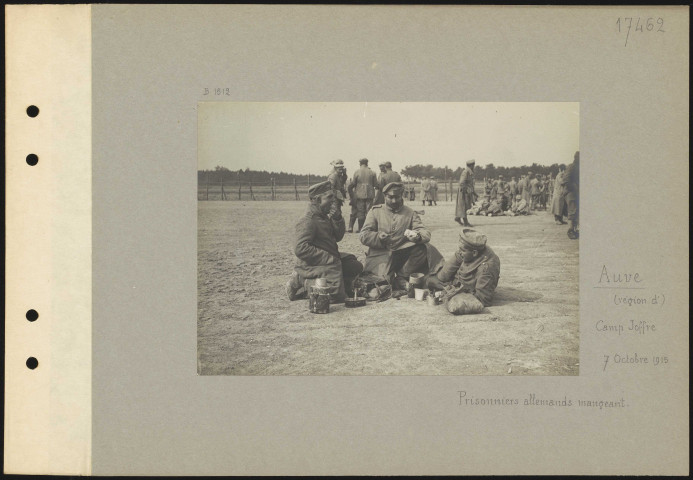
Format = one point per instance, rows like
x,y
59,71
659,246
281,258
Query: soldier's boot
x,y
293,286
458,220
423,203
466,223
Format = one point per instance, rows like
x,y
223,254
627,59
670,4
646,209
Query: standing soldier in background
x,y
527,192
535,191
465,194
512,188
365,182
558,204
425,191
390,176
352,203
571,180
338,179
379,198
434,191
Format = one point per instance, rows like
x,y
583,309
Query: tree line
x,y
411,172
223,174
419,172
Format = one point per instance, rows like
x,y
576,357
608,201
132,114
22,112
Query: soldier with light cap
x,y
396,238
379,198
465,194
317,254
470,276
338,179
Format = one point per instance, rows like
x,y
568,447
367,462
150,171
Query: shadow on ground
x,y
507,295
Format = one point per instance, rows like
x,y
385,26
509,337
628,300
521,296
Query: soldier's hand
x,y
433,282
382,236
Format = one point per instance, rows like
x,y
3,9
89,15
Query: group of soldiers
x,y
528,194
363,190
398,244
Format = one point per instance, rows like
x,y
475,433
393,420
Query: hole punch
x,y
32,159
31,363
32,111
32,315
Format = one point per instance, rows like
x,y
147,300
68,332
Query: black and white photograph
x,y
388,238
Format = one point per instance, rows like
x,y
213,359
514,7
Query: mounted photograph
x,y
409,238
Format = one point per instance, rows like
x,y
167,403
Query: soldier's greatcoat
x,y
465,193
558,203
317,253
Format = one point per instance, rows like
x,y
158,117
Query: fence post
x,y
239,187
309,180
223,195
207,185
250,184
295,189
445,182
273,194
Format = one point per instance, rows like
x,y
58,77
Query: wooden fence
x,y
257,191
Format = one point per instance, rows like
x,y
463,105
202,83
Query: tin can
x,y
319,300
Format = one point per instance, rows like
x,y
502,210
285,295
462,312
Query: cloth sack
x,y
463,304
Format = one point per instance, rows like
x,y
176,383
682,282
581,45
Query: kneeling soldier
x,y
316,250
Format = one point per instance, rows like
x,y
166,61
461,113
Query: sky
x,y
304,137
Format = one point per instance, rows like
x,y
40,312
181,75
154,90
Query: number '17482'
x,y
639,24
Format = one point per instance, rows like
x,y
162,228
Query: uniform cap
x,y
472,239
471,162
396,187
319,189
388,164
363,161
338,163
382,164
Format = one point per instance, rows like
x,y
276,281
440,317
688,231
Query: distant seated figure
x,y
397,240
318,256
521,207
480,208
496,206
470,276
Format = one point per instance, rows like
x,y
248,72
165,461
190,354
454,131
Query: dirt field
x,y
246,326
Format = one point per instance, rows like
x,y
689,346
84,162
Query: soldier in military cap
x,y
390,176
571,183
365,182
425,191
473,269
465,194
379,198
338,179
396,238
318,256
434,191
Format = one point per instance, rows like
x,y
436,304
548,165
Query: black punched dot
x,y
32,110
32,315
31,363
32,159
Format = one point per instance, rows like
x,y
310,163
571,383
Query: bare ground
x,y
246,326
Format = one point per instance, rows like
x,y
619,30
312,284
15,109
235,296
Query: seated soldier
x,y
496,207
469,277
521,206
480,207
317,234
397,240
